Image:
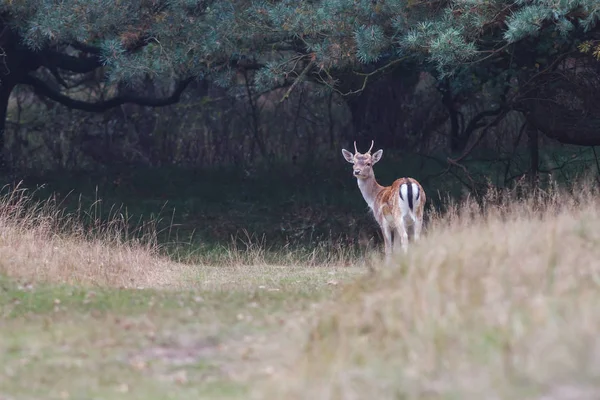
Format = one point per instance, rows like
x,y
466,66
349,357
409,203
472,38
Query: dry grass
x,y
499,304
72,326
41,242
499,300
247,249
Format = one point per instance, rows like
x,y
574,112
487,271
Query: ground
x,y
215,338
498,300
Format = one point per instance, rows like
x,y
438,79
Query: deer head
x,y
362,163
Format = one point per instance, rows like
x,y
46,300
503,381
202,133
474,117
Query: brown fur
x,y
385,201
389,197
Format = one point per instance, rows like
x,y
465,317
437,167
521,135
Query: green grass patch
x,y
210,340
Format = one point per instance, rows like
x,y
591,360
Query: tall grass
x,y
251,249
40,241
498,301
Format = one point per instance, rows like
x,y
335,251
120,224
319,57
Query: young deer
x,y
395,207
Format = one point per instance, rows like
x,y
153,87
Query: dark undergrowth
x,y
309,208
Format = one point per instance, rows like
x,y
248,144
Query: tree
x,y
344,45
56,46
505,48
539,57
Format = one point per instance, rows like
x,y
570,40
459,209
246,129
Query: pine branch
x,y
41,88
54,59
86,48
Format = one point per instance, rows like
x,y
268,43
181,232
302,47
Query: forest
x,y
177,218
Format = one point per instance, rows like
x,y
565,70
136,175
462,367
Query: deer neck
x,y
369,189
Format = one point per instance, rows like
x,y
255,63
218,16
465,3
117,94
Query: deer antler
x,y
355,149
372,143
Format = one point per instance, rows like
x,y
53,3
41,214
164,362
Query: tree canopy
x,y
183,38
341,44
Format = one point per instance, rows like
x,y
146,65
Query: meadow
x,y
498,300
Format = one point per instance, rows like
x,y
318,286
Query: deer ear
x,y
376,156
348,156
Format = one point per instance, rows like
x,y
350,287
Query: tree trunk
x,y
380,111
6,89
534,153
456,142
358,111
16,61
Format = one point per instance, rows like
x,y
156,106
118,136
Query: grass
x,y
497,301
210,209
311,209
86,312
209,340
494,304
40,241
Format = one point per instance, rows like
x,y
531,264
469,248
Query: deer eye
x,y
368,164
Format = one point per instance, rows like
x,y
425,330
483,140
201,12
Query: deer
x,y
396,207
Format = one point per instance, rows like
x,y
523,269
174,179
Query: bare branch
x,y
54,71
297,80
468,151
365,75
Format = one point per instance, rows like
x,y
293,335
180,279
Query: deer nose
x,y
357,172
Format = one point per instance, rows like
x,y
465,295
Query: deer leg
x,y
403,235
418,227
387,238
397,238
